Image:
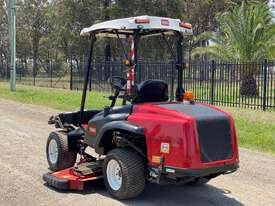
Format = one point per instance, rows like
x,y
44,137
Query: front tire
x,y
124,174
57,152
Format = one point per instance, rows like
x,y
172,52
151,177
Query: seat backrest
x,y
151,91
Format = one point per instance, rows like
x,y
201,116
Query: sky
x,y
272,5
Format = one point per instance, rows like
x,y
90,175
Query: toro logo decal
x,y
165,148
164,22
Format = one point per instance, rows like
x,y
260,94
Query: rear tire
x,y
124,174
57,152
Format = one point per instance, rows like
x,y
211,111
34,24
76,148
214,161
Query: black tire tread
x,y
65,158
132,172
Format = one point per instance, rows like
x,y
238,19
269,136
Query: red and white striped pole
x,y
131,71
132,52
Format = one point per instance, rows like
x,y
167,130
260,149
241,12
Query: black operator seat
x,y
151,91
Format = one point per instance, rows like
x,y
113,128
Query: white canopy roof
x,y
148,25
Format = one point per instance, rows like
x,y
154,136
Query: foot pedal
x,y
88,168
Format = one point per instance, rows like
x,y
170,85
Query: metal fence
x,y
233,84
250,85
103,71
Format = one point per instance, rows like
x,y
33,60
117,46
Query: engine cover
x,y
197,135
213,128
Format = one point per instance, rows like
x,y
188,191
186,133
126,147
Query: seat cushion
x,y
151,91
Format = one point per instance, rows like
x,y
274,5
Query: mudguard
x,y
115,125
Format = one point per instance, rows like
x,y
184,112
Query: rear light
x,y
126,62
142,21
185,25
156,159
188,95
92,130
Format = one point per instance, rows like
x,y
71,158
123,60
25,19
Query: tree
x,y
4,41
247,34
32,23
51,27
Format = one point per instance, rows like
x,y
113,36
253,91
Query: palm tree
x,y
247,34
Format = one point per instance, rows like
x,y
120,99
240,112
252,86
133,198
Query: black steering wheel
x,y
118,83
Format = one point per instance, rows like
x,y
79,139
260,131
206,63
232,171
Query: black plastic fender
x,y
115,125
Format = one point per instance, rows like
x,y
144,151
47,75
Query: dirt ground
x,y
23,133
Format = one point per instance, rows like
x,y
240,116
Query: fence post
x,y
71,73
90,78
265,84
20,74
172,80
213,68
33,74
51,71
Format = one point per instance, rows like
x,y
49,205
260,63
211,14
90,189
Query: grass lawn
x,y
255,128
64,100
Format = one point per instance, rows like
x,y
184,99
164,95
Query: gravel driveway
x,y
23,133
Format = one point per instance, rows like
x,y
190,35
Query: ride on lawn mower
x,y
148,138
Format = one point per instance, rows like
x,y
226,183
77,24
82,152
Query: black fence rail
x,y
102,72
238,85
250,85
55,74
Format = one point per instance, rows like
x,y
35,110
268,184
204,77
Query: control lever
x,y
111,97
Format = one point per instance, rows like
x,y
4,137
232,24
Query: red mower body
x,y
183,141
187,136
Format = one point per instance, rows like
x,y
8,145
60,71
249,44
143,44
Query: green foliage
x,y
55,25
50,29
4,44
247,34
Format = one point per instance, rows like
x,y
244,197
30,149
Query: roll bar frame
x,y
136,38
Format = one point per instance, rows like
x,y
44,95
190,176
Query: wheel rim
x,y
114,175
53,151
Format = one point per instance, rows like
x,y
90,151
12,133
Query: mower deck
x,y
73,178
